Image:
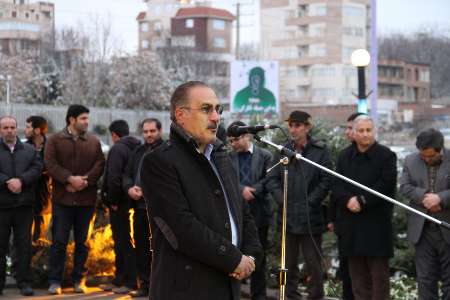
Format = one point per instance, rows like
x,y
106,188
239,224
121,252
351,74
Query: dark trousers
x,y
370,277
344,276
258,278
123,247
64,219
432,263
313,264
19,219
143,254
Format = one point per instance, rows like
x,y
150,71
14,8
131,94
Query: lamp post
x,y
7,79
361,59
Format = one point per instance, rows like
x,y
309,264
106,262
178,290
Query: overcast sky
x,y
393,16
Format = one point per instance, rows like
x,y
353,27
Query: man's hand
x,y
135,193
14,185
353,205
244,269
330,227
430,200
78,182
247,193
70,188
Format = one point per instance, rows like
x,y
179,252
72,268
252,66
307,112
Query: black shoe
x,y
139,293
26,291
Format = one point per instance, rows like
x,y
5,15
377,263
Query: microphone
x,y
236,131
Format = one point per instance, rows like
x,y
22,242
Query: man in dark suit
x,y
251,163
365,225
203,235
426,183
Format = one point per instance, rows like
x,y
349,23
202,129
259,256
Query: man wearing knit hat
x,y
75,161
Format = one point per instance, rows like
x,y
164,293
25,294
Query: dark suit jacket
x,y
261,207
414,185
369,232
191,230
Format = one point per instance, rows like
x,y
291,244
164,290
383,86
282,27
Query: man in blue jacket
x,y
20,168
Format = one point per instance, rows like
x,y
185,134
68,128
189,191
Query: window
x,y
14,14
218,24
353,31
302,91
317,29
318,50
302,71
27,15
219,43
145,44
425,76
318,9
157,26
189,23
323,71
144,26
302,11
353,11
302,51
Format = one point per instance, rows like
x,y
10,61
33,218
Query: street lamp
x,y
361,59
7,79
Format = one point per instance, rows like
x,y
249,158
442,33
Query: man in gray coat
x,y
251,163
426,183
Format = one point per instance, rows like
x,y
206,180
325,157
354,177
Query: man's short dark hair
x,y
180,95
151,120
235,123
74,111
38,122
119,127
430,138
353,116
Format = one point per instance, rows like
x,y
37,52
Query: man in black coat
x,y
151,132
36,129
20,168
366,220
308,187
119,205
203,236
251,163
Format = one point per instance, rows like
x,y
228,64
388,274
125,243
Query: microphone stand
x,y
294,155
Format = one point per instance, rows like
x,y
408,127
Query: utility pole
x,y
238,28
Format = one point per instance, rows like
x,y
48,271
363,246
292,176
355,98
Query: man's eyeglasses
x,y
207,109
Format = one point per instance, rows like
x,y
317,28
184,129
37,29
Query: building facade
x,y
313,41
25,26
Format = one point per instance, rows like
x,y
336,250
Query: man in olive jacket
x,y
203,235
308,187
20,168
75,161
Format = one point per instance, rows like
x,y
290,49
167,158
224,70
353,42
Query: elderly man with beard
x,y
203,235
151,132
366,220
75,161
20,168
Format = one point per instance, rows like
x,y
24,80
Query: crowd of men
x,y
203,206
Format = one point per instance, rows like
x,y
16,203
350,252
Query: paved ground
x,y
96,293
41,294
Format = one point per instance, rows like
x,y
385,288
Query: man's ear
x,y
179,115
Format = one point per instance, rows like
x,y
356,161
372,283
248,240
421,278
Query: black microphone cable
x,y
308,220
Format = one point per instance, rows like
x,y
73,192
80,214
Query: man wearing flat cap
x,y
307,188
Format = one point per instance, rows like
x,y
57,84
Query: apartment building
x,y
313,41
25,26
